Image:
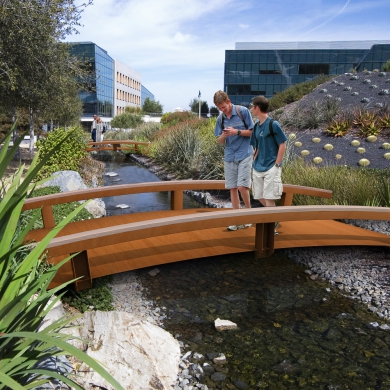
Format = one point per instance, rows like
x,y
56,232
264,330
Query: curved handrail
x,y
213,219
161,186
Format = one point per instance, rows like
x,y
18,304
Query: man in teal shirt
x,y
269,152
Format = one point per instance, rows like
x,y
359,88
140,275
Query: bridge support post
x,y
264,240
80,267
177,200
48,217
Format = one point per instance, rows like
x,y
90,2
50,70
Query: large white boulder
x,y
72,181
138,354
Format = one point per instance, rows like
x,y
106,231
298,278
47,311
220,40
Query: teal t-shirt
x,y
267,145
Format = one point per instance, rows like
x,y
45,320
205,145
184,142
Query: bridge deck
x,y
152,251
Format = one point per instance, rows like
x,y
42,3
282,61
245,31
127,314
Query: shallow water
x,y
130,172
292,333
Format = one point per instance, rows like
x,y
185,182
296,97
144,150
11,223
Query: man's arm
x,y
281,151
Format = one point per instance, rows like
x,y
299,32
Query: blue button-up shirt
x,y
237,147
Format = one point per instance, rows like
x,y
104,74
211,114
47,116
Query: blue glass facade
x,y
99,99
145,93
250,73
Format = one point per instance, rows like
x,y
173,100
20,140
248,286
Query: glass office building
x,y
99,99
265,68
145,93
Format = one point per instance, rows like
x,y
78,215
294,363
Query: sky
x,y
178,47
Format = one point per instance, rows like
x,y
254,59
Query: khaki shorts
x,y
268,184
238,173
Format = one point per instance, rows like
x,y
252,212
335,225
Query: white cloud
x,y
243,26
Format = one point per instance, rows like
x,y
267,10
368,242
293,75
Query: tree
x,y
204,107
152,106
214,111
386,66
35,67
126,120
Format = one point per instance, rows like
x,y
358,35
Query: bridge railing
x,y
176,188
115,145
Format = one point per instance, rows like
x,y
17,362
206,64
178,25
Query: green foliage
x,y
368,129
214,111
126,121
152,106
60,211
173,118
146,132
204,107
134,110
350,186
189,149
99,297
295,92
24,296
386,66
67,156
338,127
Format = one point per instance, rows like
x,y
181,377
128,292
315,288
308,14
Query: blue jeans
x,y
93,135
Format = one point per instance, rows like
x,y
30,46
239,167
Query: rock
x,y
240,385
222,325
122,206
138,354
72,181
218,377
111,174
221,359
154,272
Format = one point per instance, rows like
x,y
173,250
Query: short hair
x,y
261,102
220,97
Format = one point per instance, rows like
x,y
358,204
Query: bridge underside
x,y
170,248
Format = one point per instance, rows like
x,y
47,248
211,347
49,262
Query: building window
x,y
313,68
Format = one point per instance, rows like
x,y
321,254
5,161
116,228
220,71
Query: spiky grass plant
x,y
350,186
24,296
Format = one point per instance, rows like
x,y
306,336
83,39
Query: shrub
x,y
296,92
172,119
126,120
338,127
71,150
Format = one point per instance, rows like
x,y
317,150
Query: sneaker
x,y
276,233
247,225
233,228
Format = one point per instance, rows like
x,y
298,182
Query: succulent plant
x,y
333,81
364,162
299,144
355,142
361,150
371,138
347,88
387,81
338,99
373,86
338,127
354,77
340,83
328,147
365,100
329,96
387,156
305,153
379,105
338,156
383,92
367,71
292,136
385,145
366,81
355,93
382,74
317,160
323,90
316,140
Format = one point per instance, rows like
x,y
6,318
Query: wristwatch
x,y
277,165
238,132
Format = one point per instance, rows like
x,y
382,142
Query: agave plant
x,y
24,297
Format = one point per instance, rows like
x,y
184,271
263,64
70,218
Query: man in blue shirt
x,y
234,129
269,151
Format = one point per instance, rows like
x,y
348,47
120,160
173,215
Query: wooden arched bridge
x,y
121,243
116,145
